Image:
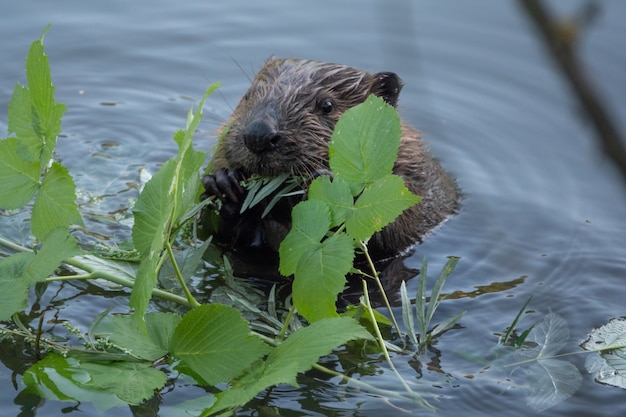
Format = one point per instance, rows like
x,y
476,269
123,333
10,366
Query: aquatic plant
x,y
239,349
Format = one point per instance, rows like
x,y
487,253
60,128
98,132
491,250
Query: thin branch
x,y
560,48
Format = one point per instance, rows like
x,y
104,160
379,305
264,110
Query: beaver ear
x,y
387,86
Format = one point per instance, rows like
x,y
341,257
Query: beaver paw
x,y
225,184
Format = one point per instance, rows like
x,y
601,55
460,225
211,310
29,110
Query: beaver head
x,y
286,118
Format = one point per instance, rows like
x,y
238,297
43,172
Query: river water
x,y
544,210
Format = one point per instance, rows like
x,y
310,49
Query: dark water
x,y
544,211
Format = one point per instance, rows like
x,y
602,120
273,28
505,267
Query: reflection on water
x,y
543,212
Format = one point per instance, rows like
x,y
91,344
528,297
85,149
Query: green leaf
x,y
169,194
608,363
188,408
57,246
296,354
106,385
54,204
13,289
20,271
378,205
310,222
365,142
19,179
144,284
335,194
23,122
214,341
152,211
549,381
34,116
261,188
321,276
123,331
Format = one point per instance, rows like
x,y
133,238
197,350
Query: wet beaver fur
x,y
283,125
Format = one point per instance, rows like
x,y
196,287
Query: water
x,y
543,212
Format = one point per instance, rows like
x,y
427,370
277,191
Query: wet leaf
x,y
169,195
548,380
608,363
105,385
20,271
214,341
296,354
13,289
123,331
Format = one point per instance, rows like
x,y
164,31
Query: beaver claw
x,y
225,184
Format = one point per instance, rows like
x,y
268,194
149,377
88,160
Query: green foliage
x,y
297,354
214,340
19,178
35,119
342,214
214,343
364,144
423,314
21,271
105,384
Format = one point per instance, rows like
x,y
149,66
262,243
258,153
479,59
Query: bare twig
x,y
560,48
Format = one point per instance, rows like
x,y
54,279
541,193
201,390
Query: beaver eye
x,y
326,106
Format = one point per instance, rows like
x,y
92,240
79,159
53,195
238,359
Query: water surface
x,y
543,211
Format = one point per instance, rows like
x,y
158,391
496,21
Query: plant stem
x,y
94,273
283,330
380,287
381,340
13,246
374,390
192,301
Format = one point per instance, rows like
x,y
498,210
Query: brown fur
x,y
286,95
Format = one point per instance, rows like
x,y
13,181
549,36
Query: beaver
x,y
283,124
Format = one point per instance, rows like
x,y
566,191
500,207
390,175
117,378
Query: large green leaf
x,y
365,142
153,211
106,384
321,276
20,271
34,116
310,222
13,289
214,341
168,195
378,205
57,246
335,194
296,354
19,179
54,204
124,331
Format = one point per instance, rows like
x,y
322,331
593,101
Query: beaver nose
x,y
259,137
